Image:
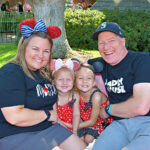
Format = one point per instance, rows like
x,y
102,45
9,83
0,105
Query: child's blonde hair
x,y
88,66
56,73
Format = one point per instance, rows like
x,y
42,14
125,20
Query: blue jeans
x,y
45,139
130,134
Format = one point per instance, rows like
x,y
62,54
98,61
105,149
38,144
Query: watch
x,y
48,114
108,109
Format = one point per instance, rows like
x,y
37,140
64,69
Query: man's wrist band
x,y
108,109
47,114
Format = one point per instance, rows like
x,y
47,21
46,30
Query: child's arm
x,y
96,103
60,121
76,114
75,123
100,83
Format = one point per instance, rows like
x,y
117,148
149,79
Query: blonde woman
x,y
27,95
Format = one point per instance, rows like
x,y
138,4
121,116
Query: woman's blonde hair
x,y
20,56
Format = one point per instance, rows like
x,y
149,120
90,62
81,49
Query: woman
x,y
27,95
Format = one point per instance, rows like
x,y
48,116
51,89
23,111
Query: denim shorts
x,y
130,134
40,140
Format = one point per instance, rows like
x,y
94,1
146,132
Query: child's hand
x,y
69,125
63,123
103,114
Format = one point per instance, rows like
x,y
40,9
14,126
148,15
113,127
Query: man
x,y
127,79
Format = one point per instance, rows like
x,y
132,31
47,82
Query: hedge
x,y
80,25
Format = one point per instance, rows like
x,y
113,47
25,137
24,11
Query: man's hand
x,y
102,113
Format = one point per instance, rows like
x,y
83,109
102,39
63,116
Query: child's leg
x,y
82,138
88,139
73,143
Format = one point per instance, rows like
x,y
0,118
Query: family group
x,y
47,102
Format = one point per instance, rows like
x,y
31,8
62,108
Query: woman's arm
x,y
23,117
96,103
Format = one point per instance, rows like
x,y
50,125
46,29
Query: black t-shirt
x,y
120,79
16,88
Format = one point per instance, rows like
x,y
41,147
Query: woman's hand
x,y
53,117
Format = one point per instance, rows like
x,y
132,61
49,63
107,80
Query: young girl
x,y
67,105
91,99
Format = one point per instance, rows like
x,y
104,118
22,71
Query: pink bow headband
x,y
58,63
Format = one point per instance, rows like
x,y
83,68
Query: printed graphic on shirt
x,y
46,90
115,86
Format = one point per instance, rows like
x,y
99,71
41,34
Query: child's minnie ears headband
x,y
58,63
28,26
85,65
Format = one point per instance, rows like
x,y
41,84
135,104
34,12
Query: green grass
x,y
8,51
95,53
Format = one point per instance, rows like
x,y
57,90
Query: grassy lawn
x,y
8,51
95,53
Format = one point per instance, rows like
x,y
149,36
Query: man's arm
x,y
137,105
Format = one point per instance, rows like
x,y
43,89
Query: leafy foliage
x,y
80,25
136,27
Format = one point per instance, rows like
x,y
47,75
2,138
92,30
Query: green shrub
x,y
136,27
80,25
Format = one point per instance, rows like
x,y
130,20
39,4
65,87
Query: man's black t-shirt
x,y
120,79
16,88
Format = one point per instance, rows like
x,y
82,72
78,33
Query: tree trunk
x,y
52,13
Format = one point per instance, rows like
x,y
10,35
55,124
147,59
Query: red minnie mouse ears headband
x,y
28,26
58,63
